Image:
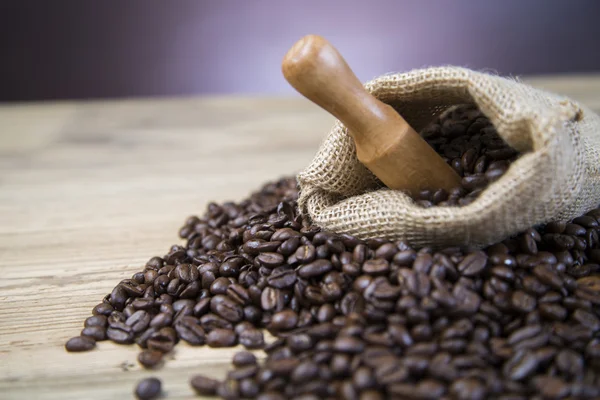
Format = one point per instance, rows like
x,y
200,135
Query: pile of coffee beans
x,y
371,319
470,144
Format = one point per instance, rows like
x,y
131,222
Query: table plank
x,y
90,190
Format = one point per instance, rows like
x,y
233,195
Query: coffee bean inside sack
x,y
470,144
365,319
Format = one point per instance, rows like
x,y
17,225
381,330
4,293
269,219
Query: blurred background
x,y
76,49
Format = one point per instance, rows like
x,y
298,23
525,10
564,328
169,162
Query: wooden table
x,y
91,190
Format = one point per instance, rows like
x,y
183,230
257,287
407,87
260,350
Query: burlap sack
x,y
556,178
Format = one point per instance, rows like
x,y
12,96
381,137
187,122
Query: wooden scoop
x,y
385,142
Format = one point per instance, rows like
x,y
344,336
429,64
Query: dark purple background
x,y
90,49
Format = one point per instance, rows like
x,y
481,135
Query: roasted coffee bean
x,y
227,308
305,253
473,264
257,246
522,364
587,319
163,340
248,388
189,329
204,386
314,269
161,319
282,279
284,320
304,372
148,389
187,273
348,344
150,358
252,338
467,389
378,266
138,321
96,320
426,389
522,301
219,286
95,332
243,372
243,358
569,363
271,299
270,260
80,343
103,309
121,335
221,338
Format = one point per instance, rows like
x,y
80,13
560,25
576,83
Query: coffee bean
x,y
244,372
284,320
95,332
268,395
221,338
121,335
306,253
138,321
150,358
271,299
204,386
187,273
589,285
239,294
190,330
551,387
468,388
569,362
219,286
587,319
586,221
300,342
252,338
80,343
96,320
522,364
257,246
348,345
378,266
289,246
243,358
425,389
314,269
248,388
270,260
363,378
103,309
161,320
304,372
148,389
282,279
473,264
226,308
405,258
522,301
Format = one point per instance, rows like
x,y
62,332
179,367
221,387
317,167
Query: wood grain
x,y
90,190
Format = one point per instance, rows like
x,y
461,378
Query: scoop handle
x,y
318,71
385,142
